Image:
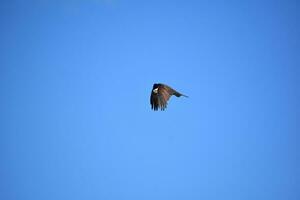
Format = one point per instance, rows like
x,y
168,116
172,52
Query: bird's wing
x,y
171,91
164,94
157,101
154,101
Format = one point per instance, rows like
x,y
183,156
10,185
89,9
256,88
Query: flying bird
x,y
160,95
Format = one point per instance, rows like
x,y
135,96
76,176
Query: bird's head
x,y
155,90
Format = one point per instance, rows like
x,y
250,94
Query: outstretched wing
x,y
170,91
165,92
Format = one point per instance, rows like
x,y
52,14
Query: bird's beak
x,y
155,90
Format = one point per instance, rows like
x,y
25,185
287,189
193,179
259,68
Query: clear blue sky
x,y
76,121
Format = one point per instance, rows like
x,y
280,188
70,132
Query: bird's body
x,y
160,95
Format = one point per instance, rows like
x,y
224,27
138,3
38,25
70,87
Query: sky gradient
x,y
76,120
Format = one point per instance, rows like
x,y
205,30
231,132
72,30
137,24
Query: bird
x,y
160,95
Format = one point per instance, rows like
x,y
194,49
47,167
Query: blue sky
x,y
76,122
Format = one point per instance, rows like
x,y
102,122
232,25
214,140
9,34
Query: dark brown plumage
x,y
160,95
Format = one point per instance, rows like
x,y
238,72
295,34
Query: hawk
x,y
160,95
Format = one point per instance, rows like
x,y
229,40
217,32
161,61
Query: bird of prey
x,y
160,95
